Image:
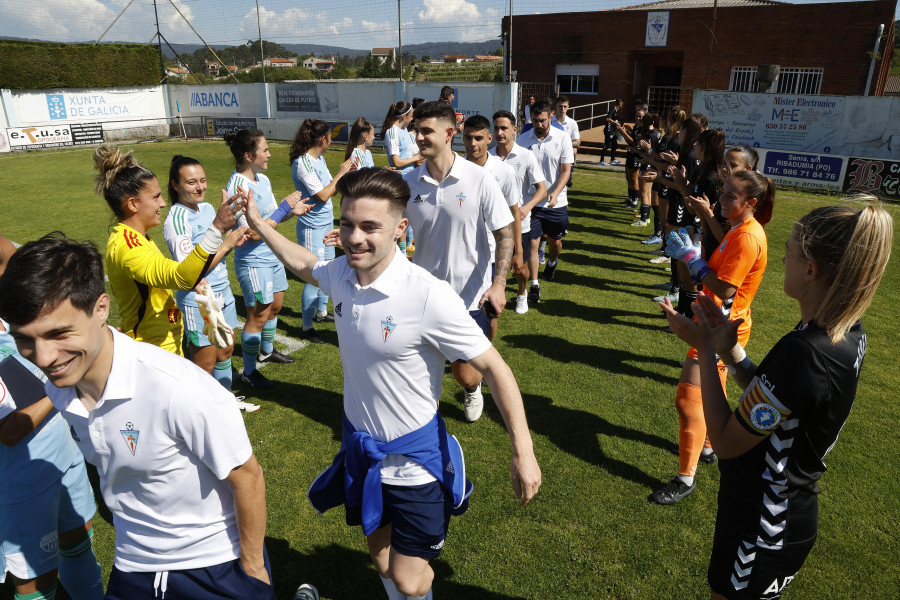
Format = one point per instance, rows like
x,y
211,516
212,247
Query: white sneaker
x,y
522,304
641,223
616,162
246,406
603,163
662,258
307,591
474,404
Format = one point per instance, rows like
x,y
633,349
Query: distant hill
x,y
433,49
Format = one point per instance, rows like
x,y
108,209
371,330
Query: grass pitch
x,y
598,377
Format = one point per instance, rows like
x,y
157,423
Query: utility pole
x,y
162,68
400,40
262,56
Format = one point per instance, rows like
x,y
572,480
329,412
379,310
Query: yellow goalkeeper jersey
x,y
142,280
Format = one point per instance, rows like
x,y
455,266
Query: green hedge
x,y
40,65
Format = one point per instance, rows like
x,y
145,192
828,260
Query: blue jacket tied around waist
x,y
354,477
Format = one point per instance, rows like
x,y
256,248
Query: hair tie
x,y
407,111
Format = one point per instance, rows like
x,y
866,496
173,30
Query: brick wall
x,y
836,37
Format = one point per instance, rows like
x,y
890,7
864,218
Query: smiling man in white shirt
x,y
396,326
176,467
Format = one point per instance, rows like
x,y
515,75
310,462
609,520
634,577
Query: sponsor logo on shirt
x,y
439,545
387,327
130,435
74,435
337,309
418,199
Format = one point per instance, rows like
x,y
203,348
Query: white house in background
x,y
179,72
320,64
280,62
383,54
457,58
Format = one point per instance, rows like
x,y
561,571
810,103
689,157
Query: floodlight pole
x,y
162,68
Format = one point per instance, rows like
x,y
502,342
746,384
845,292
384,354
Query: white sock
x,y
535,282
686,479
521,295
552,263
391,588
706,451
323,313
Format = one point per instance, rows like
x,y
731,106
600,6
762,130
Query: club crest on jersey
x,y
387,327
48,543
131,435
460,197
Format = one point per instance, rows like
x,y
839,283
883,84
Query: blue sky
x,y
348,23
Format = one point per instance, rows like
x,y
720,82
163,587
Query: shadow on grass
x,y
648,319
576,432
319,405
342,573
611,360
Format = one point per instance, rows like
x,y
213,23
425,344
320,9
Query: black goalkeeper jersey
x,y
799,400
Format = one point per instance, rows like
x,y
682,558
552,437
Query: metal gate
x,y
538,90
661,98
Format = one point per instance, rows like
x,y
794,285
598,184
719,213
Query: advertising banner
x,y
87,133
306,97
75,107
340,131
213,99
842,125
33,138
811,171
880,177
215,127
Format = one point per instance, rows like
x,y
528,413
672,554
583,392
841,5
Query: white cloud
x,y
57,20
473,24
293,25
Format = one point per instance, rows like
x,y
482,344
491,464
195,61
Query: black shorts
x,y
632,161
552,221
741,570
419,516
678,215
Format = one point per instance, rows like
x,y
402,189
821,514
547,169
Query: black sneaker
x,y
534,294
673,491
311,336
275,357
328,318
550,270
257,380
707,458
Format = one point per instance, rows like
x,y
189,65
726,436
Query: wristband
x,y
283,210
211,240
702,272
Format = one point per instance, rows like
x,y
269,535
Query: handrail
x,y
590,119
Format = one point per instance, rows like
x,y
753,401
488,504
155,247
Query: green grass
x,y
598,377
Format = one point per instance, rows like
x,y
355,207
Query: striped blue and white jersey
x,y
255,253
363,158
182,231
397,142
311,176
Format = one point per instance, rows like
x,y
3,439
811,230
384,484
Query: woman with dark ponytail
x,y
312,178
730,276
141,278
362,135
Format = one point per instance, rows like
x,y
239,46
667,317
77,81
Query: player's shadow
x,y
341,573
612,360
576,432
612,265
320,405
597,230
648,319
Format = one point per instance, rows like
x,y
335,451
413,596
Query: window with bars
x,y
791,80
577,84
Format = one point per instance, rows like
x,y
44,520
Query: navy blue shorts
x,y
552,221
419,516
483,322
225,581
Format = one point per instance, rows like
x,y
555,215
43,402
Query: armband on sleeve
x,y
760,412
